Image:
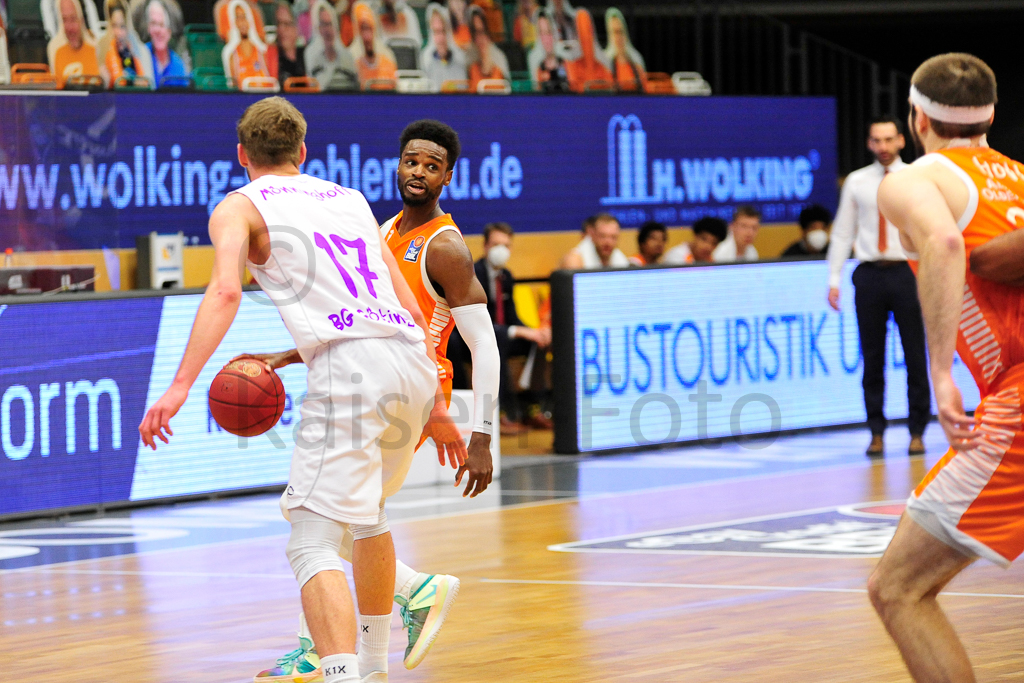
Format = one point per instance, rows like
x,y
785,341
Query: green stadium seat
x,y
215,83
421,14
205,47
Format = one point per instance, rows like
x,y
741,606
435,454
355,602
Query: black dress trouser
x,y
883,288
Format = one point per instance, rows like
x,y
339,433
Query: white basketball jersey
x,y
325,272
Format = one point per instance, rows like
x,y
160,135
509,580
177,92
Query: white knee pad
x,y
314,544
363,531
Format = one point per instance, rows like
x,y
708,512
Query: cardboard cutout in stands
x,y
458,15
547,67
374,61
245,55
222,19
398,20
326,58
495,16
121,50
159,22
590,67
442,60
5,65
564,16
72,52
50,13
285,57
627,64
524,28
487,61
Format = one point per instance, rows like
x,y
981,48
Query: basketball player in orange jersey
x,y
956,198
438,266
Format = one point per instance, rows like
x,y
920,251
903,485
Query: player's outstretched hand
x,y
158,419
955,422
445,433
274,360
478,466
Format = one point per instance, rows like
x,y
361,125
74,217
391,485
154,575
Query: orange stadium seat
x,y
306,84
493,86
599,86
380,84
660,84
260,84
36,76
455,86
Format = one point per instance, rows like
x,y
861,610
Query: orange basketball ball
x,y
247,398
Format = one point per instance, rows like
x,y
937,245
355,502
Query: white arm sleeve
x,y
474,324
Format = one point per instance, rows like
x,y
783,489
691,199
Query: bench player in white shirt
x,y
316,251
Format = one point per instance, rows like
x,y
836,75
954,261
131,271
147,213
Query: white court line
x,y
495,508
126,572
728,587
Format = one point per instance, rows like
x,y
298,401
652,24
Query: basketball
x,y
246,398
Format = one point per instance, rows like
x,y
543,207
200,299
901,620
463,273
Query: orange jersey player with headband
x,y
958,209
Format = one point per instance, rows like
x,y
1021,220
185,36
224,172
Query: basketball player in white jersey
x,y
438,267
316,251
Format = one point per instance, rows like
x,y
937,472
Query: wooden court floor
x,y
525,614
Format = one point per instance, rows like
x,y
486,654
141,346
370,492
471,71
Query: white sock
x,y
374,633
406,579
340,668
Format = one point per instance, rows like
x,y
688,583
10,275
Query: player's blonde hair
x,y
271,132
957,79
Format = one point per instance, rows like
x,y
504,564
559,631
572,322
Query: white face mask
x,y
817,239
498,255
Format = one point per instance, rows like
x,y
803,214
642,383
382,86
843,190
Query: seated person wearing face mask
x,y
814,221
514,338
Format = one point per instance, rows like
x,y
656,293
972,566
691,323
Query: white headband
x,y
950,114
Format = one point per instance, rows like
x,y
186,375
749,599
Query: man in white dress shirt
x,y
739,245
884,284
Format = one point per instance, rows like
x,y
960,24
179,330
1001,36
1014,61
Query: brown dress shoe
x,y
916,445
877,447
507,427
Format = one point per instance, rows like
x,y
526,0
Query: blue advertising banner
x,y
669,355
86,172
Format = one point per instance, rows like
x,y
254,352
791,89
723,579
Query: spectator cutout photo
x,y
627,64
72,51
487,61
590,67
222,17
5,64
285,57
442,60
374,60
49,10
547,68
398,20
163,24
121,48
524,28
326,58
565,19
245,55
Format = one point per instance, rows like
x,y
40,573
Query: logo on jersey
x,y
848,531
415,247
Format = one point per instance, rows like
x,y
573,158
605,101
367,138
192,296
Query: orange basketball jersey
x,y
410,250
990,340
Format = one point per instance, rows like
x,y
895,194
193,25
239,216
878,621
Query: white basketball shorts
x,y
366,404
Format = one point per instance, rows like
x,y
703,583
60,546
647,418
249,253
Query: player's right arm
x,y
1001,259
913,202
230,225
